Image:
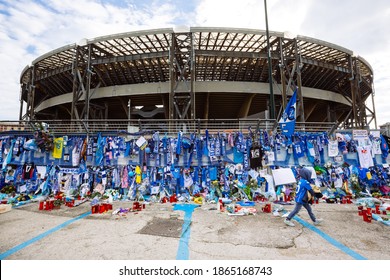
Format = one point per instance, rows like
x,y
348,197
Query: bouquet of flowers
x,y
8,189
354,184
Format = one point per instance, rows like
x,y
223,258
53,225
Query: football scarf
x,y
165,149
66,149
90,149
246,160
310,151
128,148
384,146
178,144
238,156
212,147
266,138
206,144
99,150
18,147
83,149
192,149
125,178
239,142
8,157
218,146
231,140
172,149
223,146
108,150
76,153
199,150
156,139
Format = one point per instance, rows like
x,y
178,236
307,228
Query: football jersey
x,y
333,148
365,157
58,147
28,170
255,156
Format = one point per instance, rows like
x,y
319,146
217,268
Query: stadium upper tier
x,y
197,73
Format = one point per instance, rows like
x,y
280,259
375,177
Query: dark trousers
x,y
298,207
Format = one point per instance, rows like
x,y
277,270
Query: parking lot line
x,y
331,240
182,251
40,236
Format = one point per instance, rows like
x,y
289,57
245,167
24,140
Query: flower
x,y
328,165
58,202
8,189
354,183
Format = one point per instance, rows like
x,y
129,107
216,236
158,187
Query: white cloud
x,y
359,25
30,25
229,13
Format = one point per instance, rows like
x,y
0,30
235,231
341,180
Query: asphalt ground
x,y
175,231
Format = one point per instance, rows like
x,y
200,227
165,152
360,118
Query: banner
x,y
287,121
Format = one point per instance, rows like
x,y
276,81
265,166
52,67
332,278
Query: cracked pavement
x,y
214,235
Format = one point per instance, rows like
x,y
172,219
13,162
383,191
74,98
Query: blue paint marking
x,y
332,241
182,251
39,237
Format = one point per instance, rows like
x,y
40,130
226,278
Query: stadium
x,y
199,74
188,117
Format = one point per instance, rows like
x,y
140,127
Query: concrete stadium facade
x,y
198,73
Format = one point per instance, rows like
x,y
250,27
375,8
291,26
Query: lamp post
x,y
129,112
271,91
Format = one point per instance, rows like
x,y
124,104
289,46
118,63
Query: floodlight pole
x,y
129,112
271,91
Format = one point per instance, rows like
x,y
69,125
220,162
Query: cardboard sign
x,y
360,134
283,176
141,143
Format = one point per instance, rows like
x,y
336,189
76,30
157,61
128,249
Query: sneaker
x,y
289,223
285,215
317,222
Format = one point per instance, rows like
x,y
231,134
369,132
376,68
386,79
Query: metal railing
x,y
145,126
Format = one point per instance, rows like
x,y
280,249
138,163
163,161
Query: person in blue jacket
x,y
301,198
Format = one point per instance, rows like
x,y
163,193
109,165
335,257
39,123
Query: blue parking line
x,y
183,251
331,240
40,236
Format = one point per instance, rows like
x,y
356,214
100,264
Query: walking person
x,y
302,198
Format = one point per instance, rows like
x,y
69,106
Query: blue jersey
x,y
303,187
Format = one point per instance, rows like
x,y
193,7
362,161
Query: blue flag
x,y
287,121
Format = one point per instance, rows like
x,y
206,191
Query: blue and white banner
x,y
287,121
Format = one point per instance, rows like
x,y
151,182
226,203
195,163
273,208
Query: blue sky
x,y
30,28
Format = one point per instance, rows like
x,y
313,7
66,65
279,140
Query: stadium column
x,y
270,78
299,64
81,82
88,90
172,80
245,106
21,104
282,75
181,77
373,109
352,63
73,111
192,75
31,95
360,101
